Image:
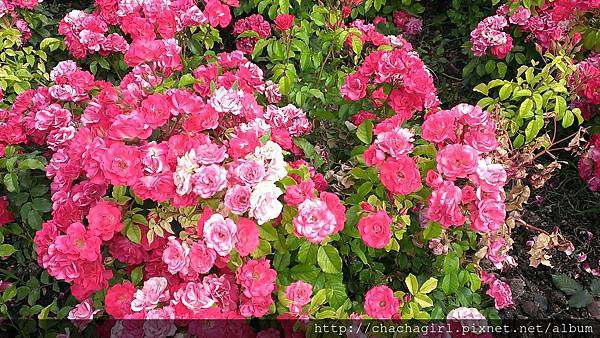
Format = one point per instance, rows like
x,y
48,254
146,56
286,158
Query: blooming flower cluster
x,y
464,136
489,34
86,33
589,164
500,291
175,149
409,24
255,23
413,88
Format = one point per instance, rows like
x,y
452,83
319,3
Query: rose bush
x,y
235,160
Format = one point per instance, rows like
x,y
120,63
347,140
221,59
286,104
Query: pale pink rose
x,y
468,317
520,16
223,290
194,296
175,255
496,252
82,313
201,257
209,180
396,142
227,101
314,221
490,177
237,199
219,234
264,205
160,322
249,172
471,115
210,153
154,291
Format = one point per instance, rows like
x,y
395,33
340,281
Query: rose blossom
x,y
201,257
194,296
219,234
175,255
154,291
237,199
104,220
400,176
380,302
375,229
314,221
246,238
82,313
457,161
118,300
501,293
256,278
284,21
264,205
299,293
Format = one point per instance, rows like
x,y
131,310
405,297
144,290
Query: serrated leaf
x,y
329,259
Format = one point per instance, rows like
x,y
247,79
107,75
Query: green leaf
x,y
433,230
560,106
568,119
525,107
319,298
329,259
581,299
137,275
305,272
309,151
595,287
412,284
566,284
186,80
505,91
451,263
6,250
31,163
11,182
134,233
428,286
364,132
450,283
482,88
41,204
423,300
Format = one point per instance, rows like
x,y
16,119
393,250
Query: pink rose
x,y
457,161
299,293
501,293
237,199
284,21
104,220
194,296
209,180
471,115
154,291
82,313
314,221
354,87
175,255
444,205
440,127
375,229
490,177
246,237
219,234
489,216
400,176
380,302
256,278
396,142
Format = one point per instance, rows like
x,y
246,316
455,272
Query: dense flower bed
x,y
186,175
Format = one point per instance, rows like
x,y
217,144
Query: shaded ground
x,y
565,202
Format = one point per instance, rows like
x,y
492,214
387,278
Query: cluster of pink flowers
x,y
589,164
464,135
587,81
413,88
409,24
369,34
489,34
86,33
254,23
175,148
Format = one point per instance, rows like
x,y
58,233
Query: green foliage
x,y
536,97
578,296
